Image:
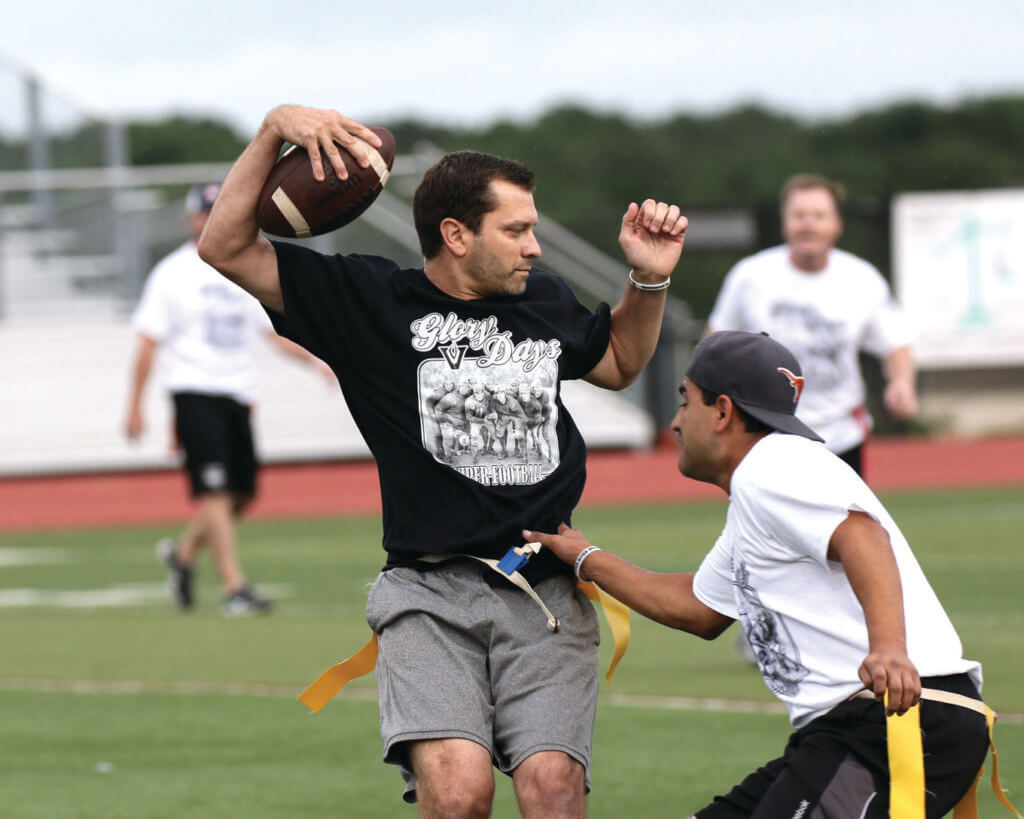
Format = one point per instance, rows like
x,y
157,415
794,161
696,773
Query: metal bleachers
x,y
70,274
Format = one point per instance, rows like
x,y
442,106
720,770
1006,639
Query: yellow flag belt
x,y
331,681
906,760
906,757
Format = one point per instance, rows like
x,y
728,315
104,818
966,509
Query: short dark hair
x,y
458,186
810,181
750,423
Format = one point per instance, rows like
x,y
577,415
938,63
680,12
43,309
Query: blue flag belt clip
x,y
517,557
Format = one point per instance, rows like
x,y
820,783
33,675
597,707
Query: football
x,y
293,204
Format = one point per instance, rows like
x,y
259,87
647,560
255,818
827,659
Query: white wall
x,y
958,268
64,384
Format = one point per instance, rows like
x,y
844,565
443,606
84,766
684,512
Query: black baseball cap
x,y
760,376
200,198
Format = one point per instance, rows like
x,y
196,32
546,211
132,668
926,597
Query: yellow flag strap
x,y
967,807
906,760
617,615
906,764
331,681
324,687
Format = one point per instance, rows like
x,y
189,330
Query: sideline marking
x,y
134,594
51,685
122,594
32,556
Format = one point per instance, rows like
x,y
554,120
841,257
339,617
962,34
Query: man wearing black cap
x,y
845,627
206,330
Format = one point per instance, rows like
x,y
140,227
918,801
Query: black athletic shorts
x,y
854,457
216,436
836,767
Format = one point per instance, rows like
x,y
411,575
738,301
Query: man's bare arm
x,y
663,597
231,241
862,546
135,421
651,237
900,390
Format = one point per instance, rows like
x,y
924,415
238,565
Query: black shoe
x,y
243,602
179,577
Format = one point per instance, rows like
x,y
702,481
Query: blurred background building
x,y
88,203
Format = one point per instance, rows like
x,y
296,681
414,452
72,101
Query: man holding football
x,y
473,672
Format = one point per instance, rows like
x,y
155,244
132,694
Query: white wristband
x,y
581,557
649,288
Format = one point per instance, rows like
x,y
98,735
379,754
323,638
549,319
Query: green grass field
x,y
135,710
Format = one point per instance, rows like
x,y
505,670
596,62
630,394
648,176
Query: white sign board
x,y
958,271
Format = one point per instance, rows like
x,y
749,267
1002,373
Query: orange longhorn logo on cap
x,y
795,381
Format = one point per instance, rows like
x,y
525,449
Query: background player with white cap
x,y
205,330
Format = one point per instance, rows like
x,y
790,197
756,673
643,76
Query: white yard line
x,y
736,706
122,594
125,594
32,556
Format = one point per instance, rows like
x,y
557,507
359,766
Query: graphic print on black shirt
x,y
490,416
777,655
392,337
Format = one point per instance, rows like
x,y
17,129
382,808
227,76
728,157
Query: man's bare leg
x,y
454,778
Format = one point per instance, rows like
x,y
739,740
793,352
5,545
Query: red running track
x,y
350,487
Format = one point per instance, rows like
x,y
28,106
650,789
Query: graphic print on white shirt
x,y
821,341
490,416
825,319
208,328
224,315
777,654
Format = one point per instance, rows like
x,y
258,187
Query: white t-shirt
x,y
769,570
824,319
207,327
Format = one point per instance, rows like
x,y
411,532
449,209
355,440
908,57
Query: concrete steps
x,y
64,384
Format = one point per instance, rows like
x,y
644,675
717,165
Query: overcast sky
x,y
471,63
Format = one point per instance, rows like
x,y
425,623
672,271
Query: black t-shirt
x,y
459,401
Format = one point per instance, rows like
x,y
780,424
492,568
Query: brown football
x,y
294,205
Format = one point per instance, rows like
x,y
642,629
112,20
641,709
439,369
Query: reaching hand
x,y
321,131
566,545
891,672
900,400
134,424
652,237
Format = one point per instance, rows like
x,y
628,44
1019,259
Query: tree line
x,y
590,164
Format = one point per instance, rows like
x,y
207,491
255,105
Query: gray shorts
x,y
460,658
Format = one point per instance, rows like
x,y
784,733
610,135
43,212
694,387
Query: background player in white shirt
x,y
825,305
826,587
205,330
